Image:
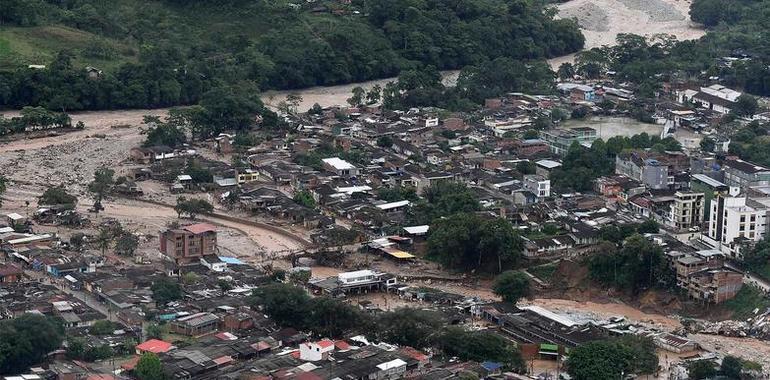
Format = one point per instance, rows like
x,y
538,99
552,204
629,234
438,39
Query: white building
x,y
538,185
340,167
716,97
315,351
738,220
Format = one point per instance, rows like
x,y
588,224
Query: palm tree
x,y
104,239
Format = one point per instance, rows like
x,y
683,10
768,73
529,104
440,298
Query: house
x,y
156,346
195,325
340,167
560,140
716,98
641,167
538,185
528,148
10,273
316,351
190,243
744,174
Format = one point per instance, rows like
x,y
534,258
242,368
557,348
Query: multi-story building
x,y
649,171
744,174
188,244
538,185
704,277
687,209
710,188
559,140
736,218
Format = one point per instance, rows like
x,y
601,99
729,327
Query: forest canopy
x,y
165,53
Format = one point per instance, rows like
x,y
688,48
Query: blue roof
x,y
231,260
491,366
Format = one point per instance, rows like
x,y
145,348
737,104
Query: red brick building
x,y
188,244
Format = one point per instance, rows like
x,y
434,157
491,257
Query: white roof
x,y
550,315
352,189
15,216
549,164
392,205
71,279
391,364
184,177
417,230
355,274
338,163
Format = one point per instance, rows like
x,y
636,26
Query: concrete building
x,y
687,210
339,166
649,171
745,174
189,244
559,140
195,325
538,185
710,188
704,277
738,218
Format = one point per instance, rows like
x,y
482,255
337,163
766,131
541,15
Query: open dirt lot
x,y
602,20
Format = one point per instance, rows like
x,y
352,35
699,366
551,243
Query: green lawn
x,y
22,46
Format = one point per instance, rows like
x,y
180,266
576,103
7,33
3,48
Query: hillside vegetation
x,y
170,52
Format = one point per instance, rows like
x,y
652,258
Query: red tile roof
x,y
326,343
342,345
200,228
155,346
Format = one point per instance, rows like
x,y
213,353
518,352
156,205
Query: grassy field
x,y
22,46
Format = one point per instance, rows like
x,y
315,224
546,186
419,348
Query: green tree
x,y
154,331
707,144
305,198
512,286
192,207
57,195
126,244
481,346
731,367
286,304
26,340
104,239
608,359
374,94
701,369
385,141
165,290
566,71
358,96
102,327
149,367
746,106
101,185
409,327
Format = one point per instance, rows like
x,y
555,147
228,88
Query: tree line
x,y
291,306
295,49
